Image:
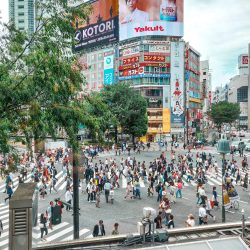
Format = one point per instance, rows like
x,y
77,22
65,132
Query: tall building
x,y
206,89
23,14
238,90
248,86
193,89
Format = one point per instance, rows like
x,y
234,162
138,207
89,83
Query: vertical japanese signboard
x,y
108,67
177,84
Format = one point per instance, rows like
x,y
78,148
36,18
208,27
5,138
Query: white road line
x,y
4,242
214,180
82,232
5,216
59,180
55,228
63,186
59,234
4,207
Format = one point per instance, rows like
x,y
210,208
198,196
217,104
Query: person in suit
x,y
99,229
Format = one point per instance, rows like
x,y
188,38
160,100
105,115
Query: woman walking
x,y
43,226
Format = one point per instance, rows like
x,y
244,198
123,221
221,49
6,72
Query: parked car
x,y
236,145
247,148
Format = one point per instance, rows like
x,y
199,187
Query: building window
x,y
242,94
20,6
204,73
21,14
20,21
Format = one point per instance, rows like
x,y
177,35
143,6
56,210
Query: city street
x,y
127,212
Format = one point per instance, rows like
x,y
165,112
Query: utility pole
x,y
76,161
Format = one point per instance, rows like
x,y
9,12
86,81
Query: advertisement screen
x,y
177,84
100,27
150,17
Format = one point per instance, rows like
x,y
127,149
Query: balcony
x,y
155,118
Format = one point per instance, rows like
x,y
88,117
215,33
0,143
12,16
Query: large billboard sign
x,y
108,67
150,17
177,84
101,26
243,61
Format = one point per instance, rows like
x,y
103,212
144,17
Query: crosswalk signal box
x,y
21,217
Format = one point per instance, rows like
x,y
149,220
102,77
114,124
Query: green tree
x,y
129,108
38,82
224,112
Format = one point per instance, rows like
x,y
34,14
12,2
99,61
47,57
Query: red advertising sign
x,y
130,60
132,66
155,64
245,60
154,58
131,72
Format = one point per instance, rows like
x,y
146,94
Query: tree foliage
x,y
129,108
38,83
224,112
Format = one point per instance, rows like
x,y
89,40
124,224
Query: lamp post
x,y
243,223
223,148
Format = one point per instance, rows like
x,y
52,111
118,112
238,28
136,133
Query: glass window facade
x,y
242,94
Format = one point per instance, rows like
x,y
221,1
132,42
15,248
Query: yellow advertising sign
x,y
166,120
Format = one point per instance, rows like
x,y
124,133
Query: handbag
x,y
41,225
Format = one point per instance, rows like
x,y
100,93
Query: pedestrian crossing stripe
x,y
211,180
60,232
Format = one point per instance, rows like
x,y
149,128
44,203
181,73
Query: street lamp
x,y
243,222
223,148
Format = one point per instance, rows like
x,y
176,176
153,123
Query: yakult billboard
x,y
150,17
100,27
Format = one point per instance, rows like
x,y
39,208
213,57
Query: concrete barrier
x,y
119,239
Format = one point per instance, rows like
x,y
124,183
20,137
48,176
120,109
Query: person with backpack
x,y
158,190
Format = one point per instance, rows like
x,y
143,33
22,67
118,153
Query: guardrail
x,y
111,242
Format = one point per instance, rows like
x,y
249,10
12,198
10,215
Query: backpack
x,y
157,188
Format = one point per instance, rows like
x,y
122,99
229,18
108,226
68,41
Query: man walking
x,y
107,188
99,229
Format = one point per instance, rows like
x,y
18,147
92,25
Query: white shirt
x,y
201,191
136,16
202,212
191,222
68,196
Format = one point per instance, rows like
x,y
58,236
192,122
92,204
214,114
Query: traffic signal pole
x,y
75,193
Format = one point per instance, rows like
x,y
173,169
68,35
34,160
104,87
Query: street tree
x,y
38,82
224,112
129,108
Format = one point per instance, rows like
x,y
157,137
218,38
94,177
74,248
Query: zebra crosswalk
x,y
60,232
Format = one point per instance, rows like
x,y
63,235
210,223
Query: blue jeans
x,y
178,193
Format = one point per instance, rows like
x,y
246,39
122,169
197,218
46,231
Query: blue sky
x,y
218,29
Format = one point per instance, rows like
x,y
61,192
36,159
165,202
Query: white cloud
x,y
4,10
220,31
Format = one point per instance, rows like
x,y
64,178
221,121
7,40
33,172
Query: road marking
x,y
245,202
82,232
59,234
55,228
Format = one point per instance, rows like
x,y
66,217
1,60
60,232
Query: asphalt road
x,y
128,212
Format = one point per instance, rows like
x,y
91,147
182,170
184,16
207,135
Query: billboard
x,y
143,76
108,67
100,27
243,61
177,84
150,17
